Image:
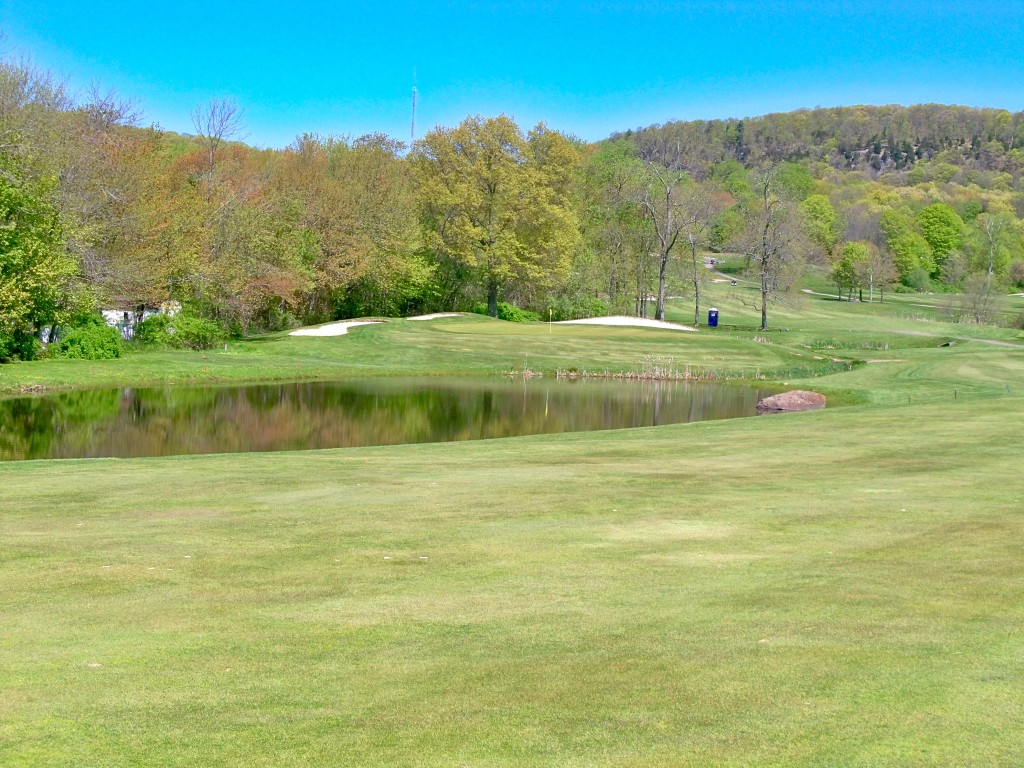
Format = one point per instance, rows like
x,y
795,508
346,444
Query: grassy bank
x,y
840,588
812,336
470,345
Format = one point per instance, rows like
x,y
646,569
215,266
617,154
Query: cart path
x,y
994,342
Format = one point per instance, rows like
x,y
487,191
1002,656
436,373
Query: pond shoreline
x,y
129,422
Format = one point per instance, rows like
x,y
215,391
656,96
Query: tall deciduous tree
x,y
846,271
498,202
34,267
357,200
943,230
661,198
387,228
615,228
217,122
824,225
32,105
991,239
700,208
773,238
876,271
910,251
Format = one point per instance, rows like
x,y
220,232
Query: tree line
x,y
98,212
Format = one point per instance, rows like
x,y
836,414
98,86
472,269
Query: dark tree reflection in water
x,y
280,417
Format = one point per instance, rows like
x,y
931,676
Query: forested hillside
x,y
101,213
874,140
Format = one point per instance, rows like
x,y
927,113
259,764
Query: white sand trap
x,y
639,322
333,329
435,316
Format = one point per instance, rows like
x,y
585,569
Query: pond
x,y
167,421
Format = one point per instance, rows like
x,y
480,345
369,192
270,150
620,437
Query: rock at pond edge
x,y
794,400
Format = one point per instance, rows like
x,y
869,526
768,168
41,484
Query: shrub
x,y
94,341
971,210
180,332
514,314
509,312
919,280
153,331
1017,274
279,318
19,345
193,332
573,308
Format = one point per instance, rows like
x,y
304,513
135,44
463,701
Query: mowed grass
x,y
465,345
842,588
902,351
808,334
839,588
820,313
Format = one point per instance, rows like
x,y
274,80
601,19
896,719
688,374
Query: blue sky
x,y
587,68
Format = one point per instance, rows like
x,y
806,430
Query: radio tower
x,y
412,130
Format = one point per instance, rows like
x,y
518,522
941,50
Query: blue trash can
x,y
713,317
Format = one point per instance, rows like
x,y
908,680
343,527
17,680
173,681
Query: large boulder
x,y
794,400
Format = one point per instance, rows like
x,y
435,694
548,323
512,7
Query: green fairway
x,y
839,588
842,588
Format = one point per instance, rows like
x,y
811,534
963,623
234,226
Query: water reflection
x,y
185,420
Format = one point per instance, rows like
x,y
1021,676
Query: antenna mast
x,y
412,130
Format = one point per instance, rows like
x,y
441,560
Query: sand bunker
x,y
341,328
333,329
638,322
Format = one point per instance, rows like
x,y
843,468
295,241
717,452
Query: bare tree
x,y
673,203
774,236
30,100
699,207
875,270
955,269
981,300
217,122
862,224
660,199
106,109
